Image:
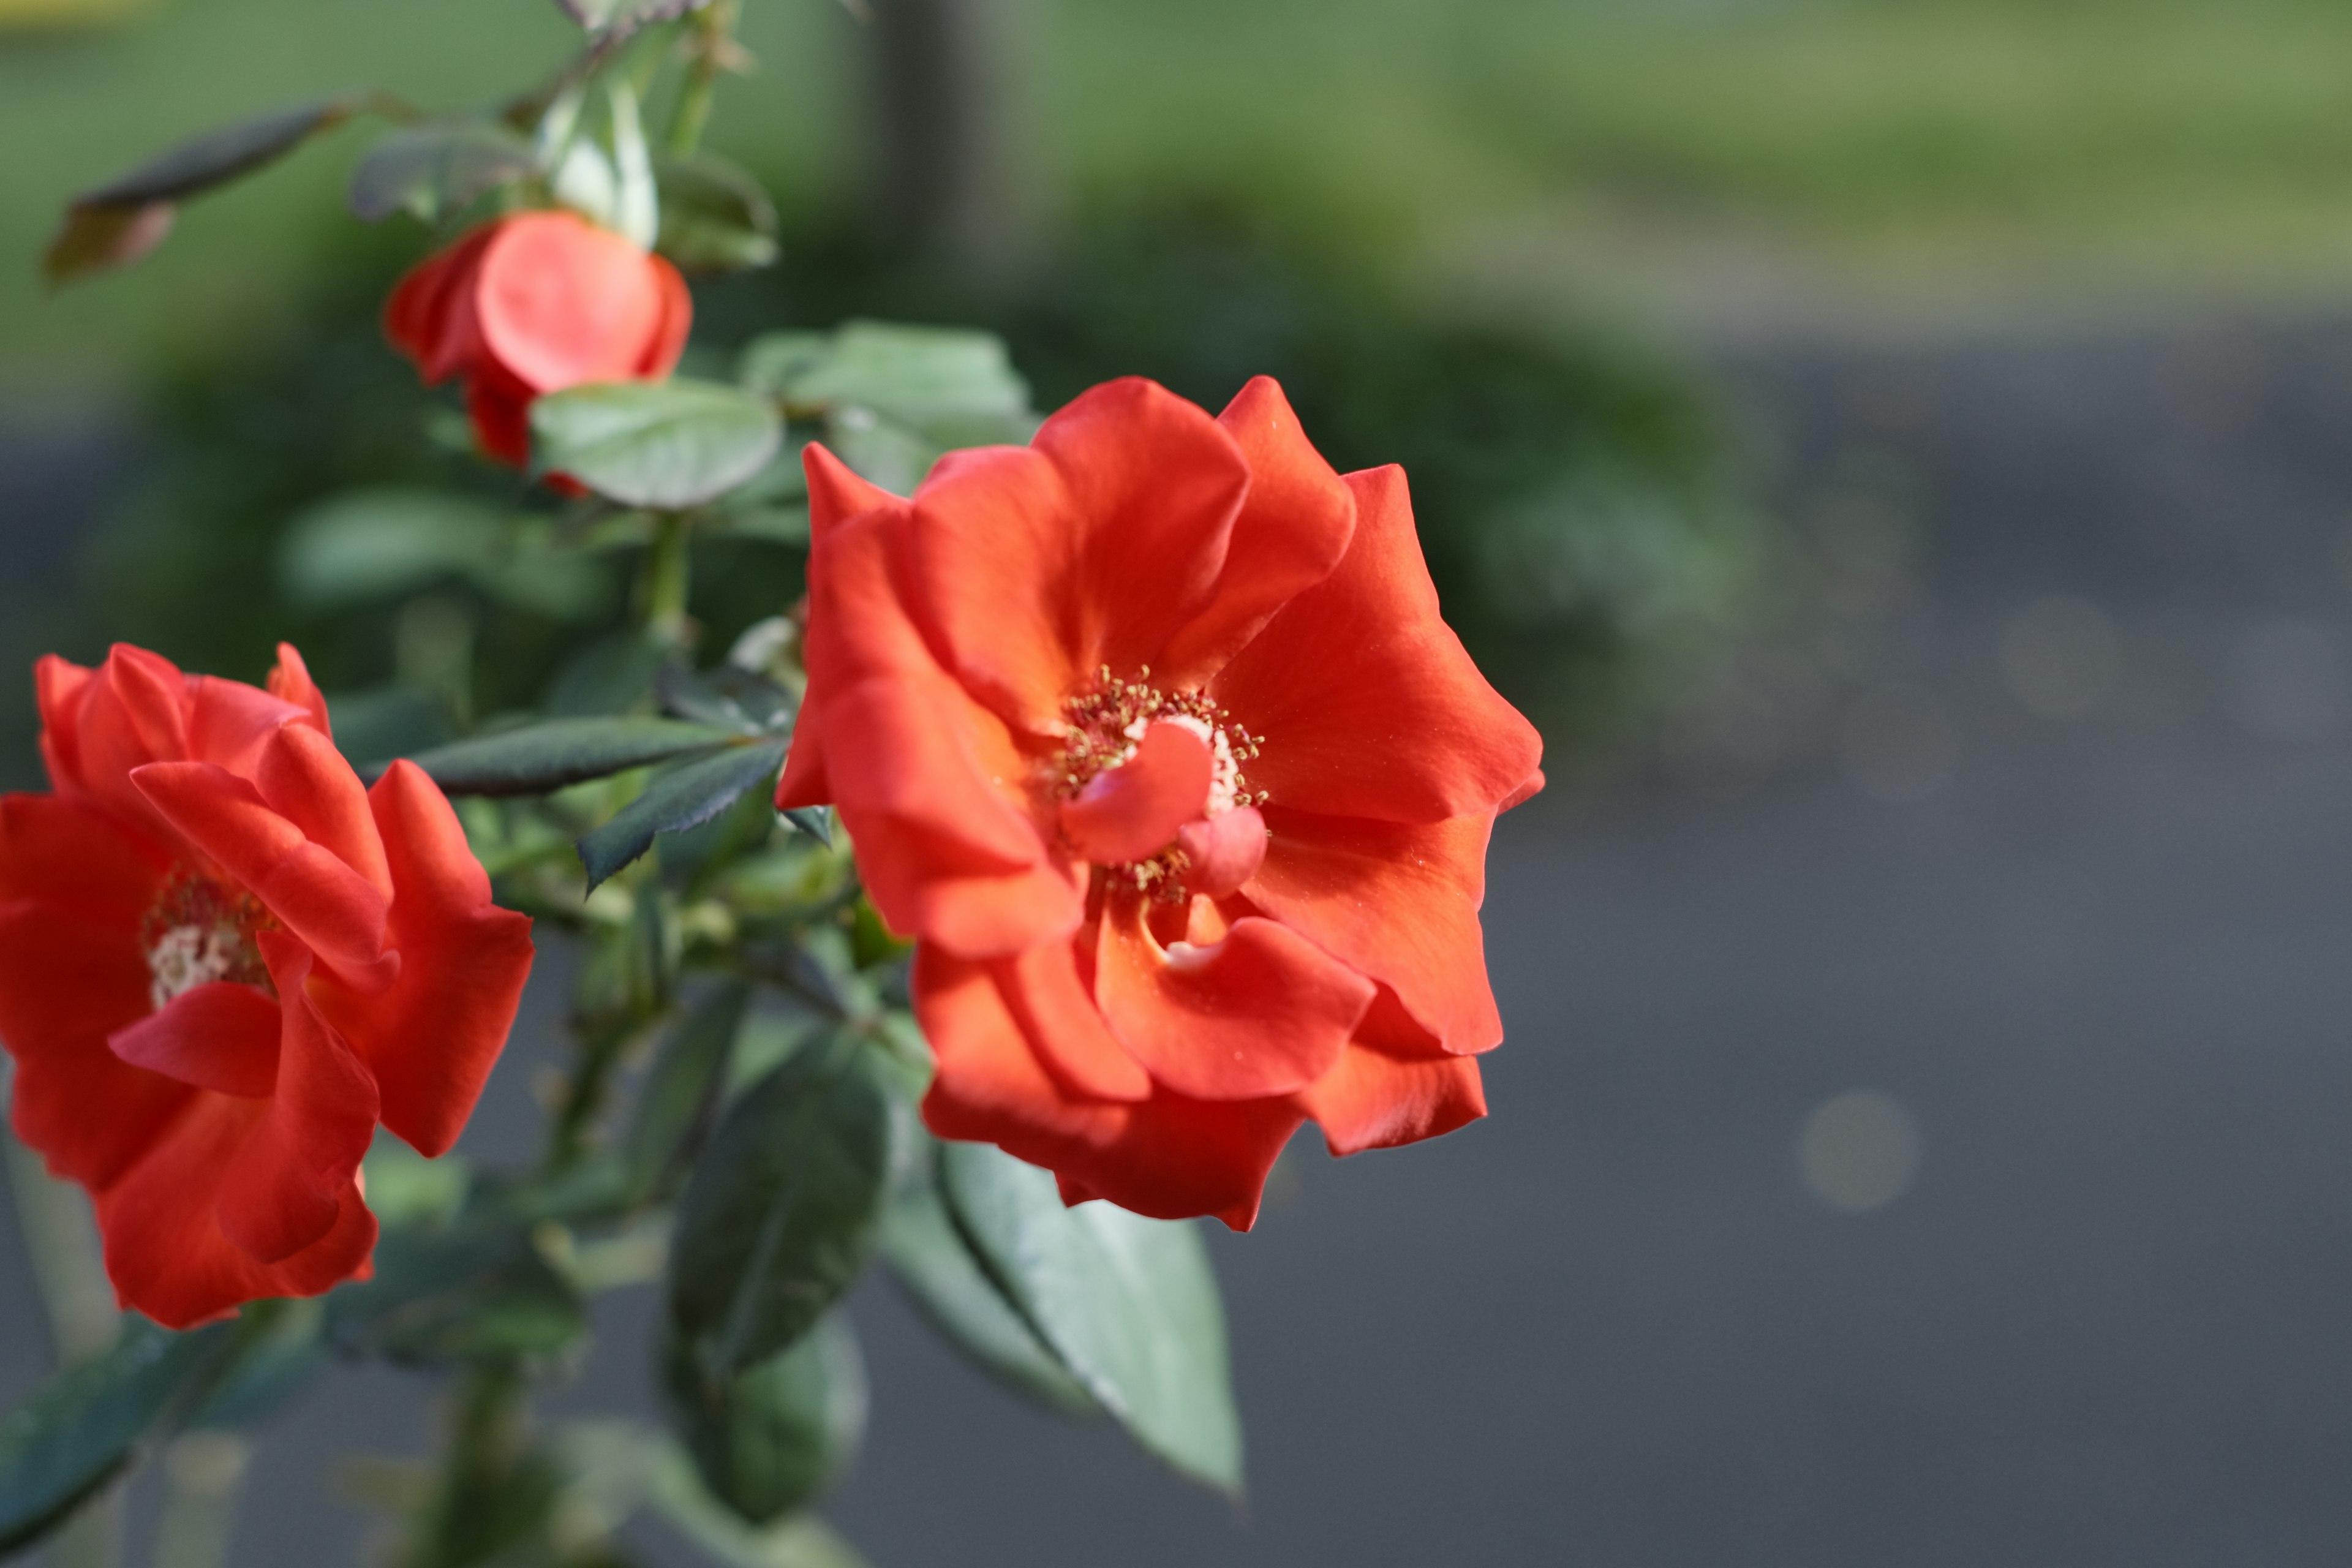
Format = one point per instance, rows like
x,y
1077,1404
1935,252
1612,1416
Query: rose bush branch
x,y
1102,799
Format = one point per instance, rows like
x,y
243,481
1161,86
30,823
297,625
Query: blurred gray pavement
x,y
1922,1136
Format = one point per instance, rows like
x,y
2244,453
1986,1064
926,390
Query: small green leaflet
x,y
533,759
683,796
669,445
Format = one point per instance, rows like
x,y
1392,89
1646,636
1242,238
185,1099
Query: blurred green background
x,y
1473,238
1975,144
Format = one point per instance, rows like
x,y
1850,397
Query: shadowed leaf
x,y
683,796
124,219
934,1261
683,1088
1128,1303
769,1440
537,758
715,215
780,1215
430,170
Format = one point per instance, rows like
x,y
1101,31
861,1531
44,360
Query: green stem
x,y
667,577
202,1473
62,1244
714,40
583,1093
485,1440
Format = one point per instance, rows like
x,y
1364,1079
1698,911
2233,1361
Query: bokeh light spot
x,y
2062,656
1859,1152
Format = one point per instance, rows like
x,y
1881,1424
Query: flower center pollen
x,y
198,931
1105,726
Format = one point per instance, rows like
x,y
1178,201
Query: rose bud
x,y
535,303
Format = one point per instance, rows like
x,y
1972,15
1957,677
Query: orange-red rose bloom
x,y
1151,734
535,303
223,962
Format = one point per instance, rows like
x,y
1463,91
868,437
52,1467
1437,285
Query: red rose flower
x,y
223,962
1151,734
535,303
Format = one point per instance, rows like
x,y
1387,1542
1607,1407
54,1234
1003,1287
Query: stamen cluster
x,y
198,931
1105,726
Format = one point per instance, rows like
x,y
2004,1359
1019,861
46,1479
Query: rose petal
x,y
1293,530
1398,903
430,315
1132,811
221,1036
291,683
1264,1012
431,1039
562,302
282,1191
1374,1099
306,781
319,897
165,1251
75,886
1368,703
1058,1016
1176,1158
1093,546
1223,851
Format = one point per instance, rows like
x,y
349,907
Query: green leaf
x,y
715,215
914,374
610,675
774,363
672,445
935,1262
378,544
122,220
682,1090
79,1429
677,1492
780,1215
678,797
536,758
769,1440
730,695
881,451
1129,1305
478,1288
433,170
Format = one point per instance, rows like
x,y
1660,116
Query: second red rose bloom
x,y
1151,735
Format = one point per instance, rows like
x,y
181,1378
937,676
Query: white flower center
x,y
1106,723
187,956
